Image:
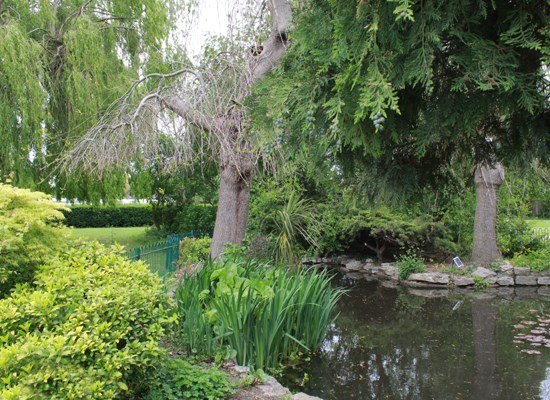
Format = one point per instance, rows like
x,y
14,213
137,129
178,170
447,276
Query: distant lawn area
x,y
539,223
128,237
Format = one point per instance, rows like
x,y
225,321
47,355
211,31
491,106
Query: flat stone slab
x,y
505,280
483,272
526,280
459,280
544,280
430,277
354,265
389,270
507,269
521,271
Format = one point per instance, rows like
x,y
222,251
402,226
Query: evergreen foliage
x,y
82,216
412,89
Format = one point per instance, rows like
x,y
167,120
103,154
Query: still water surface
x,y
388,343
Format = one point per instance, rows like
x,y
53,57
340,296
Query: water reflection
x,y
389,344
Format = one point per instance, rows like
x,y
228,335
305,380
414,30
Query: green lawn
x,y
128,237
539,223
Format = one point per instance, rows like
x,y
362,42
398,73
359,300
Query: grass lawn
x,y
129,237
539,223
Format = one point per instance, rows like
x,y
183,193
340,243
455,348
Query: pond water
x,y
389,343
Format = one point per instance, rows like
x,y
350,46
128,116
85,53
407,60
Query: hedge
x,y
90,329
100,217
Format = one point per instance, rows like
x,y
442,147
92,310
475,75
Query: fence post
x,y
138,253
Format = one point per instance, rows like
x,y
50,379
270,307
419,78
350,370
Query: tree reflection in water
x,y
389,344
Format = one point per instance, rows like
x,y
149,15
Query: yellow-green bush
x,y
30,234
89,330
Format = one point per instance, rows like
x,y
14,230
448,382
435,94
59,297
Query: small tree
x,y
208,99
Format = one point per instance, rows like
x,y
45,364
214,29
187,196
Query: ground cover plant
x,y
90,329
263,314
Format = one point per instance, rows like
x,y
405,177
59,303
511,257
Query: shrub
x,y
30,234
538,260
515,236
265,314
178,379
409,263
116,216
90,329
193,250
196,217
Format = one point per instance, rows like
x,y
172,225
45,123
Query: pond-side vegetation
x,y
389,343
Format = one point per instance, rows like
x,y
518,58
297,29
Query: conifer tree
x,y
412,86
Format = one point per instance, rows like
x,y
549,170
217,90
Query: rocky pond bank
x,y
504,275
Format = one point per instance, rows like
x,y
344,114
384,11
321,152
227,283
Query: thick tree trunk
x,y
487,180
233,204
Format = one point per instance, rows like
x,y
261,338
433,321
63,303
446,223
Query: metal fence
x,y
161,256
541,233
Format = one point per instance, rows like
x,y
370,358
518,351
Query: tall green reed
x,y
265,313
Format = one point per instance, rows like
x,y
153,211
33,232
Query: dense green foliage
x,y
194,250
409,263
31,233
537,260
403,98
82,216
90,329
178,379
265,314
63,64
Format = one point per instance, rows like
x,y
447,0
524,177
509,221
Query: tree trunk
x,y
487,180
233,204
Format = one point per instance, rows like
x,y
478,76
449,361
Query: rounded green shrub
x,y
30,234
193,250
89,330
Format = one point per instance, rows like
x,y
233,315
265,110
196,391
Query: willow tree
x,y
412,87
201,107
61,64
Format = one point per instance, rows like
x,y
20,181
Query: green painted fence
x,y
541,233
161,256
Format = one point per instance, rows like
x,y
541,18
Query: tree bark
x,y
487,180
237,165
233,205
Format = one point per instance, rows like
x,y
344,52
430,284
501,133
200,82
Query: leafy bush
x,y
409,263
82,216
196,217
30,234
178,379
91,329
193,250
265,314
515,236
537,260
380,231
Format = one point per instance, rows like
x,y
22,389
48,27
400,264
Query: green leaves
x,y
91,329
264,313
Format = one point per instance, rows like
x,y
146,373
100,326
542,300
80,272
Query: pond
x,y
391,343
